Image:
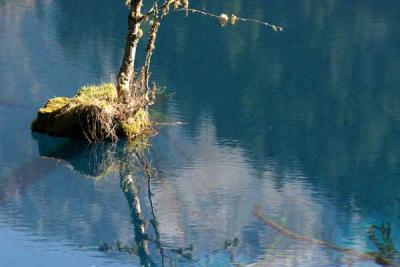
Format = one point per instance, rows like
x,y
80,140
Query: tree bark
x,y
126,72
149,52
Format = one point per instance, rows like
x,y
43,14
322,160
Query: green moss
x,y
105,92
55,104
135,125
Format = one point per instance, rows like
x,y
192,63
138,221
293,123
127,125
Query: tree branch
x,y
225,19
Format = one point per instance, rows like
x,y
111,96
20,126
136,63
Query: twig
x,y
273,26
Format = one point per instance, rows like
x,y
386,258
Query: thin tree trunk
x,y
149,52
126,72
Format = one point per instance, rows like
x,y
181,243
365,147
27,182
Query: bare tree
x,y
128,85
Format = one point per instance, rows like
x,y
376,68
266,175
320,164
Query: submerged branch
x,y
312,241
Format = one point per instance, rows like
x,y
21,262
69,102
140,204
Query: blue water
x,y
304,123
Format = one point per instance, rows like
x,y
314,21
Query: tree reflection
x,y
130,166
130,162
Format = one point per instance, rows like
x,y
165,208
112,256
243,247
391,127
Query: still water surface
x,y
304,123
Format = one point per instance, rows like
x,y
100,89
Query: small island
x,y
94,113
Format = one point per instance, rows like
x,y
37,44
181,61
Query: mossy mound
x,y
93,114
